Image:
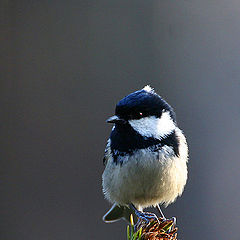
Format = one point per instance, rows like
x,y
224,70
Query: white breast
x,y
147,178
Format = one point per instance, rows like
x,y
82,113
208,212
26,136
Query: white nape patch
x,y
153,126
149,89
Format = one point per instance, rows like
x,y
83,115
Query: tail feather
x,y
117,212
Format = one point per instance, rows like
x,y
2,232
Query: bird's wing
x,y
104,160
106,153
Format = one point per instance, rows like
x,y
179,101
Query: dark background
x,y
64,66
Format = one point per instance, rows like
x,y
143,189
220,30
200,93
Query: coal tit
x,y
145,158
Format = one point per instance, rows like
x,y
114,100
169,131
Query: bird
x,y
145,157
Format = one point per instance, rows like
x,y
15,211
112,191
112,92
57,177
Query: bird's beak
x,y
115,119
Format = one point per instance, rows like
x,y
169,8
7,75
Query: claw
x,y
174,221
173,225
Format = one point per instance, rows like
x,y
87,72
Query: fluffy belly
x,y
145,179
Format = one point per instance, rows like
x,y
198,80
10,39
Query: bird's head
x,y
146,112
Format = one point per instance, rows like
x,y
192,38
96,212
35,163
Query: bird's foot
x,y
145,216
145,219
152,216
172,221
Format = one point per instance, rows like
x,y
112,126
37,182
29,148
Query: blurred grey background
x,y
64,66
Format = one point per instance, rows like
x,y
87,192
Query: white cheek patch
x,y
153,126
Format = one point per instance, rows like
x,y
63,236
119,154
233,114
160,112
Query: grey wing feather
x,y
104,160
106,153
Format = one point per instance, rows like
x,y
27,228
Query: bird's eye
x,y
135,115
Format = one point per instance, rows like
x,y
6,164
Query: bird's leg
x,y
160,211
146,216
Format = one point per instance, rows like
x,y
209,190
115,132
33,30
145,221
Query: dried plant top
x,y
154,230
